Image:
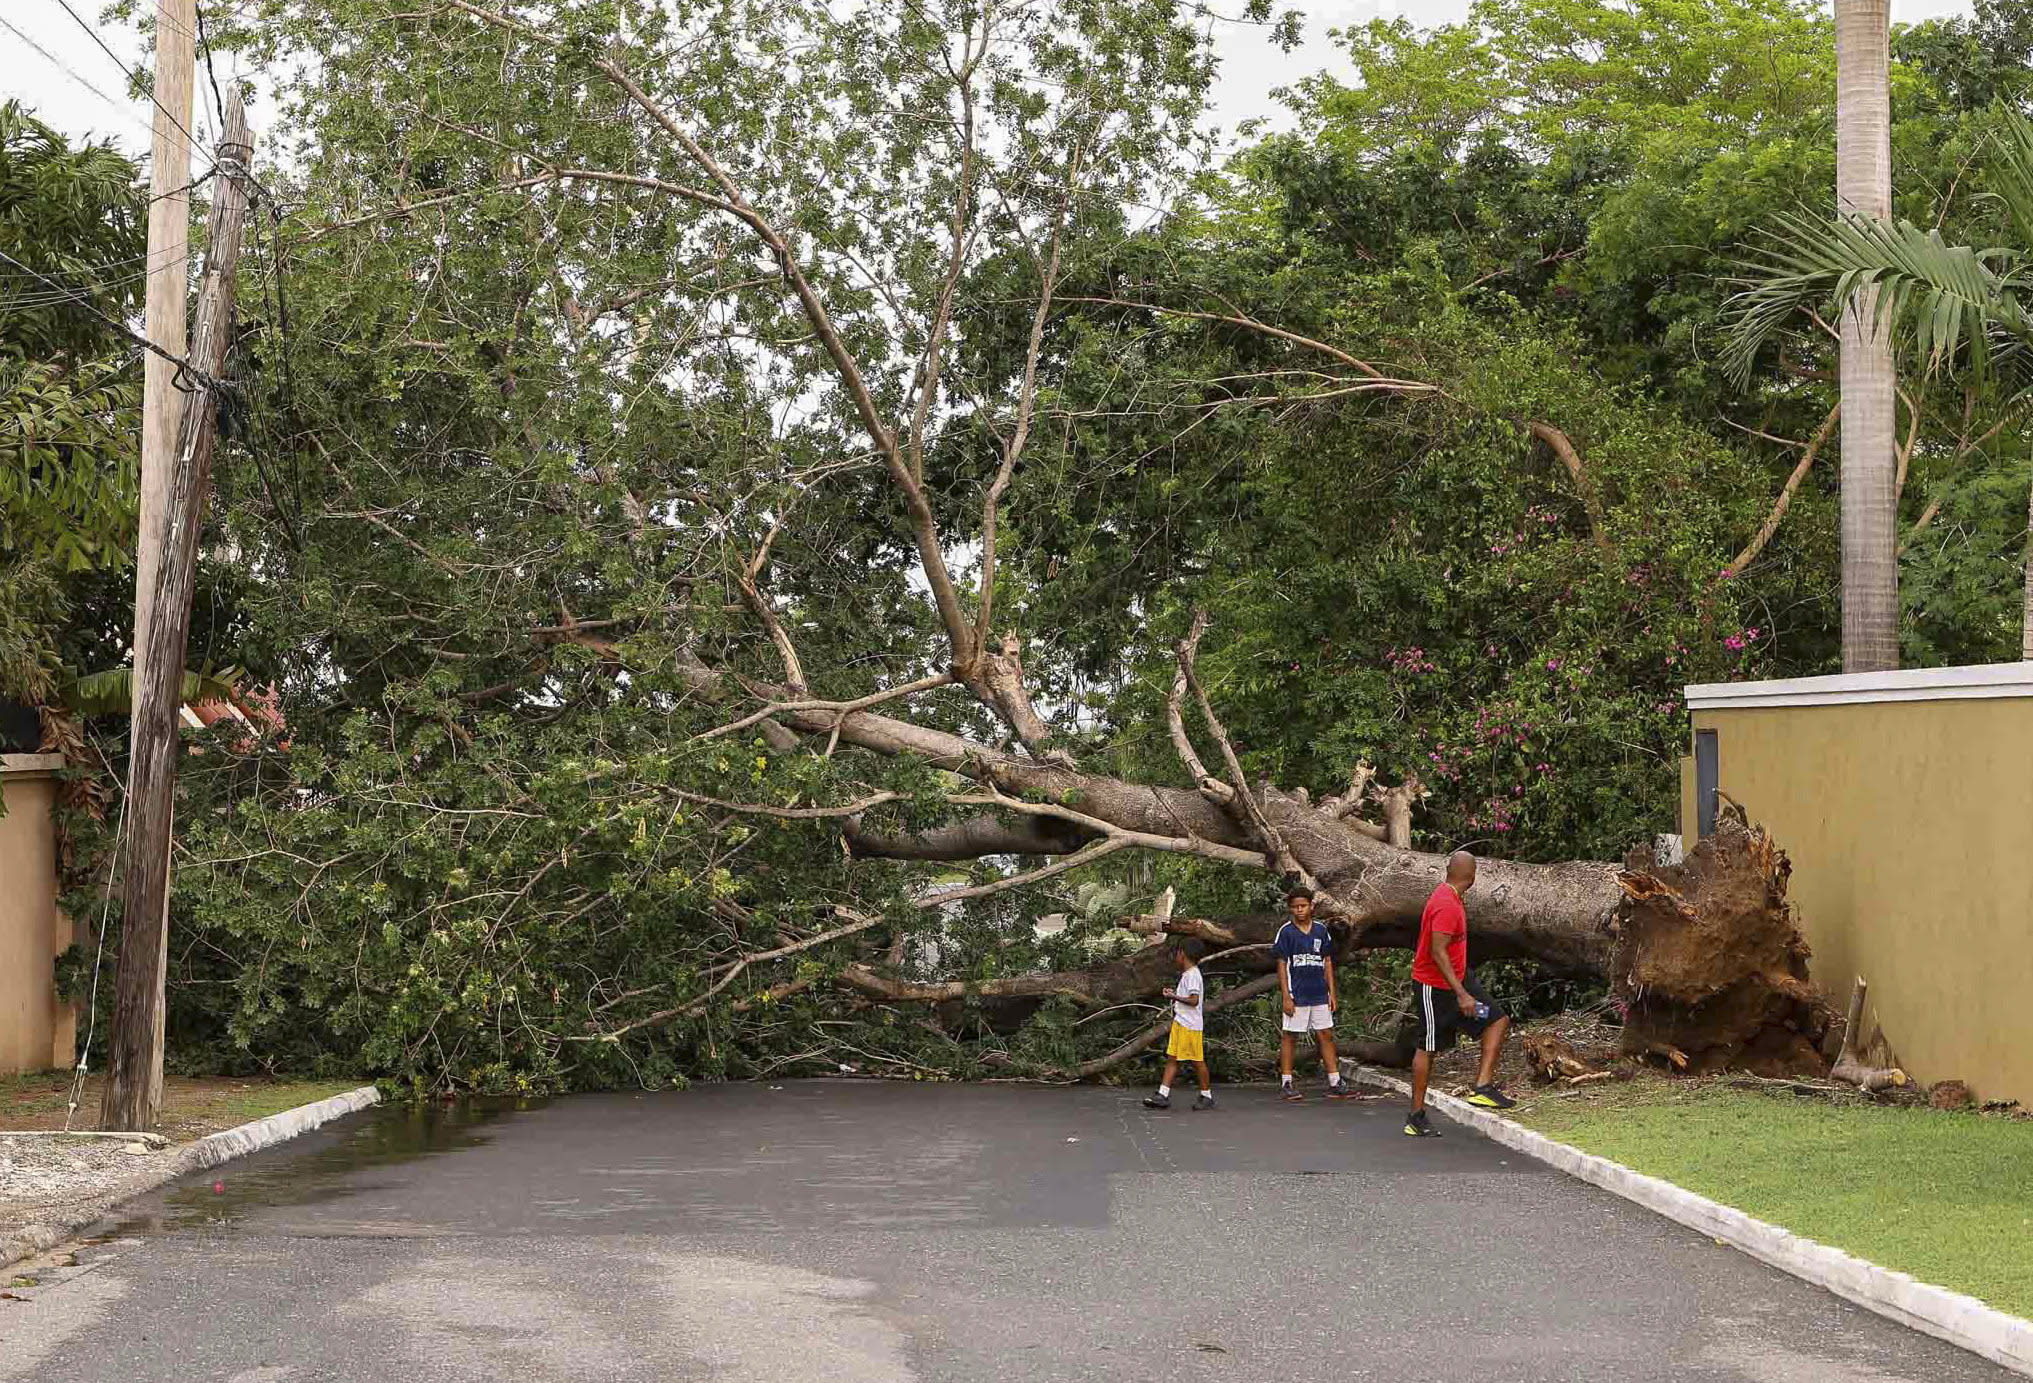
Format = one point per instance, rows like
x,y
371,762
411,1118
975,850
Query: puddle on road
x,y
326,1166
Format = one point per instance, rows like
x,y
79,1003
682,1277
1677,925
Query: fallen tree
x,y
567,728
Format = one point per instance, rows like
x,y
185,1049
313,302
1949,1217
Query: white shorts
x,y
1309,1018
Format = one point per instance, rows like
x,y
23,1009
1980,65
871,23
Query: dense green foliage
x,y
70,391
530,414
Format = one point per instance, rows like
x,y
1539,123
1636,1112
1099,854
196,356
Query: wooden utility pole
x,y
133,1098
168,283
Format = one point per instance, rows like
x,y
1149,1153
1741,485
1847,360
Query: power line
x,y
184,367
126,108
129,72
211,73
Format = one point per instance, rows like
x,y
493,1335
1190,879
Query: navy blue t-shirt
x,y
1305,955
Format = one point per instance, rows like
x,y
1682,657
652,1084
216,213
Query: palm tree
x,y
1953,306
1863,188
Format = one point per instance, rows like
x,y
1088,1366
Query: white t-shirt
x,y
1190,1016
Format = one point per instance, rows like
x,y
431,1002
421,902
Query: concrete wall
x,y
1905,801
36,1032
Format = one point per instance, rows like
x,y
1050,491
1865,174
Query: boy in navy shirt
x,y
1306,980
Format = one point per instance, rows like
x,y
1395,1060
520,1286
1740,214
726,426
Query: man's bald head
x,y
1461,871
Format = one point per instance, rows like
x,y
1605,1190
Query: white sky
x,y
1252,66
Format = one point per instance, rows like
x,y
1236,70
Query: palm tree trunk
x,y
2026,625
1863,183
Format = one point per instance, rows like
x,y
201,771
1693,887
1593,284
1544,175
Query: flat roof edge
x,y
1980,682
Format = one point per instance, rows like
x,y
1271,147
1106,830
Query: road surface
x,y
881,1233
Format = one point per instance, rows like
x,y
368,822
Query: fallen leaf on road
x,y
1206,1347
9,1296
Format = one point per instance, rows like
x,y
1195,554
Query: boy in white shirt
x,y
1189,1022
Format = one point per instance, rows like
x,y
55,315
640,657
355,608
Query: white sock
x,y
1286,1081
1333,1079
1165,1092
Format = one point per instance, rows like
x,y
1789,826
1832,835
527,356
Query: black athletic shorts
x,y
1438,1013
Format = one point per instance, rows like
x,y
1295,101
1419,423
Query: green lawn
x,y
191,1108
1945,1197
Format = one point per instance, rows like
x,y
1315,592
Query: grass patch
x,y
191,1108
1945,1197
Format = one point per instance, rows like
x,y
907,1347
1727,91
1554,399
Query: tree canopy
x,y
748,508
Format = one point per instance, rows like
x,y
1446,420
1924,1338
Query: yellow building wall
x,y
36,1032
1910,829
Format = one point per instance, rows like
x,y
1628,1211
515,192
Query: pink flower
x,y
1552,665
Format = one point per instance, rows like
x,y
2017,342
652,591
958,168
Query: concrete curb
x,y
1951,1316
198,1156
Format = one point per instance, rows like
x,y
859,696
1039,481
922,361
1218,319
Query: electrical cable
x,y
184,367
211,73
126,108
190,139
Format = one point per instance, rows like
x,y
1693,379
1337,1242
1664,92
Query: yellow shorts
x,y
1186,1044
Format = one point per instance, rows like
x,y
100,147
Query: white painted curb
x,y
199,1156
1951,1316
276,1128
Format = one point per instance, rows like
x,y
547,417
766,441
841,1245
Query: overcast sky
x,y
91,98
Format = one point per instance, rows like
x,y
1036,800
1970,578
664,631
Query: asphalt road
x,y
875,1233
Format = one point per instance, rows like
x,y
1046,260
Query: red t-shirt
x,y
1443,913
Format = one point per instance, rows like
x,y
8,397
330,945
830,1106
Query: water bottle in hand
x,y
1481,1012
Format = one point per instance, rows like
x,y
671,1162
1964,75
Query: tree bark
x,y
1870,564
2026,623
133,1097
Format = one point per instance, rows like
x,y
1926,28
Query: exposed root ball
x,y
1710,962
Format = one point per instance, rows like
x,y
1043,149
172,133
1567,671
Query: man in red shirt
x,y
1447,1000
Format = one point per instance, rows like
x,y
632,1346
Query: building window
x,y
1705,772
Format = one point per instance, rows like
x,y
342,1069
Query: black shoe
x,y
1417,1127
1490,1097
1158,1102
1206,1101
1340,1092
1291,1095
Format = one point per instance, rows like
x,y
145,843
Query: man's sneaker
x,y
1206,1101
1157,1102
1490,1097
1417,1127
1340,1092
1291,1095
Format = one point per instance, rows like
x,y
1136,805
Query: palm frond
x,y
112,692
2012,180
1936,298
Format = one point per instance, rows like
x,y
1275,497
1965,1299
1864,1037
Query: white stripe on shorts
x,y
1432,1028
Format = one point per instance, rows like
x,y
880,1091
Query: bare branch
x,y
1027,395
841,709
1280,854
963,201
1262,984
1785,501
1584,484
847,367
734,971
1211,787
791,813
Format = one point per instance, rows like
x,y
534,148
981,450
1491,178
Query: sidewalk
x,y
52,1184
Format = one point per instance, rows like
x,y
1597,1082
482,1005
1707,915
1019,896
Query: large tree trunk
x,y
1863,181
1720,968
